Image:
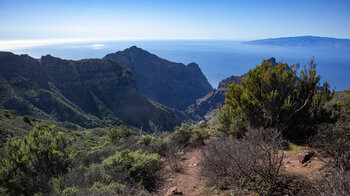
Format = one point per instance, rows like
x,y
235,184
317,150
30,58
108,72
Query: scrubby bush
x,y
140,166
187,135
116,134
274,96
335,183
4,135
253,162
146,140
333,140
28,163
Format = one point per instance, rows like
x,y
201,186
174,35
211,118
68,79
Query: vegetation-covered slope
x,y
90,93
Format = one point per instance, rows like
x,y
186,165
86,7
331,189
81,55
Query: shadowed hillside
x,y
172,84
90,92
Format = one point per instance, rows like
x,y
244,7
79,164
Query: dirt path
x,y
189,181
310,170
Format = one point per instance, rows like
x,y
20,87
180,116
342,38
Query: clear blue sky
x,y
173,19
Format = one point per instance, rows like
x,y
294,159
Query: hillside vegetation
x,y
89,93
273,110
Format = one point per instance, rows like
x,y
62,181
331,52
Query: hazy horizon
x,y
38,21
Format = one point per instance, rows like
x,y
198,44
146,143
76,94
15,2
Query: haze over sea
x,y
217,59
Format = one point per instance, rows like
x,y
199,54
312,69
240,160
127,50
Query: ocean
x,y
217,59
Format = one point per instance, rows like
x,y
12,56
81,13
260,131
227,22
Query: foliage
x,y
140,166
28,163
146,140
334,140
335,183
187,135
116,134
275,96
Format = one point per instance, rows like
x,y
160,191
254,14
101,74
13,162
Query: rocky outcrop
x,y
172,84
211,100
90,92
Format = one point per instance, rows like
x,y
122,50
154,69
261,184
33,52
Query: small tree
x,y
27,164
274,96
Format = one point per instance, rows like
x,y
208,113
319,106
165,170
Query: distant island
x,y
303,41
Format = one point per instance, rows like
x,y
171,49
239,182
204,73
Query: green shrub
x,y
160,145
274,96
28,163
146,140
141,166
199,135
70,191
116,134
187,135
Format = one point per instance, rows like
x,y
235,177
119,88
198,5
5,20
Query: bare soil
x,y
191,183
189,180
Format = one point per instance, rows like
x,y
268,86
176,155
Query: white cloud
x,y
97,46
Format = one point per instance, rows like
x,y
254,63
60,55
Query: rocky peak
x,y
169,83
194,66
272,60
226,82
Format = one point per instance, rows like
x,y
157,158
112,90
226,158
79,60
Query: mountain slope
x,y
303,41
90,92
172,84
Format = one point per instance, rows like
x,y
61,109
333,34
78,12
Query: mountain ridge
x,y
303,41
88,92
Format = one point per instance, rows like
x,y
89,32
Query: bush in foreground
x,y
333,141
27,164
275,96
254,162
140,166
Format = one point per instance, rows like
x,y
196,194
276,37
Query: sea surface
x,y
217,59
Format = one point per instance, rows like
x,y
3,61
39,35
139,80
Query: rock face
x,y
172,84
90,92
205,105
212,99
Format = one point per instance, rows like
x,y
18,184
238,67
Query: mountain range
x,y
89,93
131,86
303,41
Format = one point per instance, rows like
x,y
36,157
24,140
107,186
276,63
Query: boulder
x,y
305,155
173,191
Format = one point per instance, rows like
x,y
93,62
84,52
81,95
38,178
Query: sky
x,y
34,21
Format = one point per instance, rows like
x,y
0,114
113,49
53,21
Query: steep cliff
x,y
90,92
172,84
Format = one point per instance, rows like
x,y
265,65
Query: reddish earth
x,y
310,170
189,181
